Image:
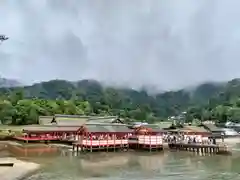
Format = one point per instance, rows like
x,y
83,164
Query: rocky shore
x,y
18,171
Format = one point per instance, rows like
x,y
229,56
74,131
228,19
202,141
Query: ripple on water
x,y
170,166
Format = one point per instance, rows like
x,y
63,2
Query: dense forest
x,y
209,101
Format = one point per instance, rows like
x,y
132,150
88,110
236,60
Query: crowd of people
x,y
188,139
106,137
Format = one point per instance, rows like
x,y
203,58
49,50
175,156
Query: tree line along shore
x,y
209,101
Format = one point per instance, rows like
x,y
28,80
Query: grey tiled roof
x,y
42,120
194,129
107,128
96,128
49,129
78,120
70,122
102,117
164,125
71,116
107,119
212,127
121,128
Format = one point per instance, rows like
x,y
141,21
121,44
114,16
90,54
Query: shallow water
x,y
63,165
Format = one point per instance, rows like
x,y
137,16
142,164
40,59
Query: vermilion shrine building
x,y
95,133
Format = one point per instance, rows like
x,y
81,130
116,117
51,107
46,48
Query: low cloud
x,y
165,44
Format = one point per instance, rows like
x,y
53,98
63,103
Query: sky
x,y
163,44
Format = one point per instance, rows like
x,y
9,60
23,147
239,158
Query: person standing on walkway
x,y
214,141
222,136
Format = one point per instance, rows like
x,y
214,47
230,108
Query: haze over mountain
x,y
9,83
166,44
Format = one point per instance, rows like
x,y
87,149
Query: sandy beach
x,y
18,171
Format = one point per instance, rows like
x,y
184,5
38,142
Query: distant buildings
x,y
235,126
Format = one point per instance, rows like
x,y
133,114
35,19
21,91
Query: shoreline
x,y
19,171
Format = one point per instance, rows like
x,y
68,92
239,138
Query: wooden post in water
x,y
77,148
198,149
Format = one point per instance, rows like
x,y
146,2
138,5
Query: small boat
x,y
6,164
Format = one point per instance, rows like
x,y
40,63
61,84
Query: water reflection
x,y
62,164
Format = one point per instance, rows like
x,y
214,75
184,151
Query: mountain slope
x,y
205,100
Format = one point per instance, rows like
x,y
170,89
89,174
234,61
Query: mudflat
x,y
18,171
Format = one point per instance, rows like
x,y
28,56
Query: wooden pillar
x,y
99,144
87,140
127,136
156,142
114,136
81,140
45,138
125,139
121,141
138,142
150,139
107,141
91,143
142,145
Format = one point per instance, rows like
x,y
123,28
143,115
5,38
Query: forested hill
x,y
207,101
